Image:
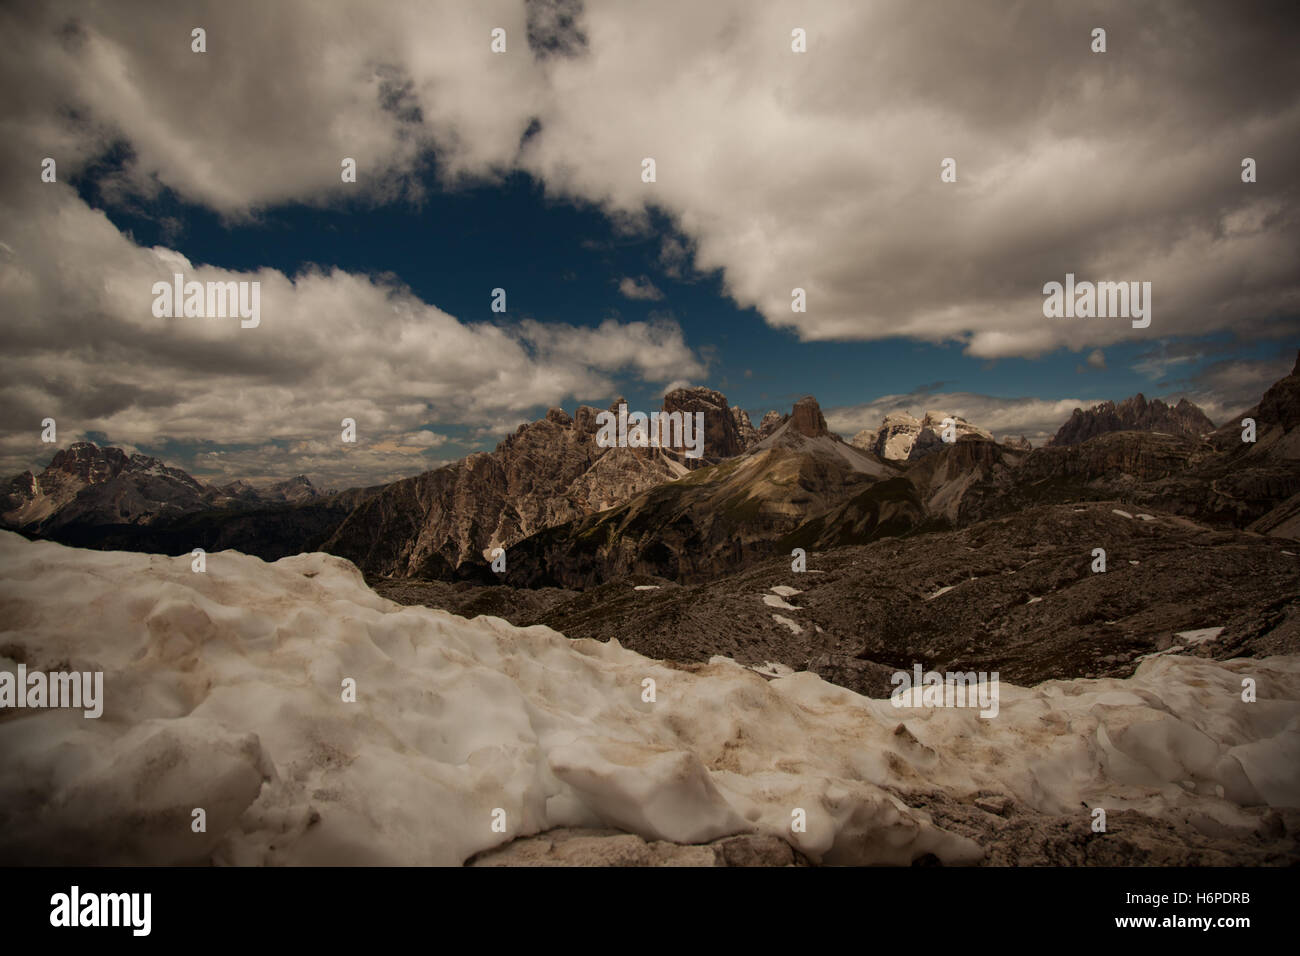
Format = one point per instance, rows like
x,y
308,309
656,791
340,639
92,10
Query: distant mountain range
x,y
901,437
573,514
88,485
1134,414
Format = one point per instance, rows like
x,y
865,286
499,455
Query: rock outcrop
x,y
1185,420
770,423
447,522
721,430
783,491
1276,416
902,437
745,430
807,418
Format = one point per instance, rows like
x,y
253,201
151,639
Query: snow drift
x,y
224,691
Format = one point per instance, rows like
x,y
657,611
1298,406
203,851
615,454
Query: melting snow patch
x,y
1135,562
772,669
771,600
1147,517
932,596
785,590
1122,514
794,628
646,587
1200,636
223,691
1033,600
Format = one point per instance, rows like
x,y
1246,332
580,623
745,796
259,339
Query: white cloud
x,y
84,347
641,288
817,170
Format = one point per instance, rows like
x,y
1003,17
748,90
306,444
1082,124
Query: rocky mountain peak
x,y
297,488
903,437
93,485
807,418
744,427
88,462
1185,419
721,431
770,423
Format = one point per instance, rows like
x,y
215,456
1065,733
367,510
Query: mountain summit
x,y
1134,414
901,437
96,485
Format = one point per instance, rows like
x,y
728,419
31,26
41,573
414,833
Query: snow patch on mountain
x,y
222,690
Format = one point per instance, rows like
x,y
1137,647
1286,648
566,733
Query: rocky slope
x,y
85,484
770,423
1015,594
86,487
745,431
1217,479
792,489
1277,439
714,520
1134,414
445,523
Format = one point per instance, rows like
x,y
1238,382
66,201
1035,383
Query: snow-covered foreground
x,y
224,691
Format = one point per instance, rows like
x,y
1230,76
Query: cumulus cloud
x,y
821,170
641,288
279,99
818,170
84,347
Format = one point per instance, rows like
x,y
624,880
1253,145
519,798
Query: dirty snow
x,y
772,669
222,691
792,625
1200,636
